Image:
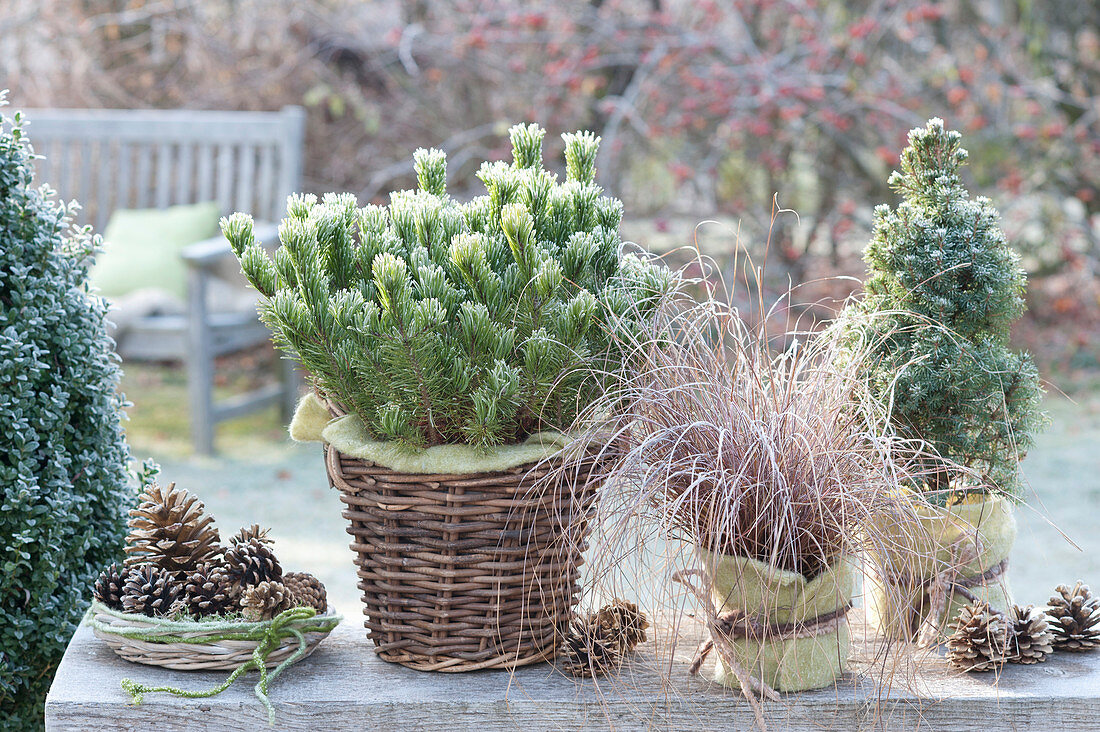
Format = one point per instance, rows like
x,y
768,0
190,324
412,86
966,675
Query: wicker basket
x,y
223,654
465,572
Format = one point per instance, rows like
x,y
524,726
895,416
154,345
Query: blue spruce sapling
x,y
943,289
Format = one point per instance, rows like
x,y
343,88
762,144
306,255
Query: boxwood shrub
x,y
64,485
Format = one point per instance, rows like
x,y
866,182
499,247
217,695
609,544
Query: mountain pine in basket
x,y
439,322
63,460
944,287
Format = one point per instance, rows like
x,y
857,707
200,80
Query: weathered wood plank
x,y
265,190
344,686
144,185
124,162
83,178
155,125
162,184
205,189
224,177
106,169
246,173
291,147
200,363
184,175
44,166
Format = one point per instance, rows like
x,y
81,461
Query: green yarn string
x,y
269,636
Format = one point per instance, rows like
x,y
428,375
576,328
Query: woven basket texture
x,y
466,572
224,655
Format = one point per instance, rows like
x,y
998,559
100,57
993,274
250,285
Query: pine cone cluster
x,y
598,643
984,639
1075,618
175,564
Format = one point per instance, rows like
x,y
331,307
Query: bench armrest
x,y
209,252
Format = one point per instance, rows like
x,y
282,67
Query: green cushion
x,y
142,247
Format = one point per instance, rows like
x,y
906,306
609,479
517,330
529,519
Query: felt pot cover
x,y
899,612
777,596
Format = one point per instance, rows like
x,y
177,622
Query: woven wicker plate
x,y
224,654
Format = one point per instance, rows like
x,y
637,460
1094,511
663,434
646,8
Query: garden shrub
x,y
441,322
943,290
64,485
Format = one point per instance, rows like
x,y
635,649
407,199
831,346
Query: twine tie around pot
x,y
943,585
725,627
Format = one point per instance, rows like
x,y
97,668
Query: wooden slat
x,y
60,180
204,189
242,404
184,172
225,177
83,192
144,185
161,188
265,188
124,162
154,126
290,154
106,168
44,167
246,174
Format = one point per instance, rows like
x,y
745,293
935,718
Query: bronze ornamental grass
x,y
724,439
768,447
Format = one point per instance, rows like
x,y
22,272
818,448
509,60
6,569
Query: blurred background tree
x,y
705,108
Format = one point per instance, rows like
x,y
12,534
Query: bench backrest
x,y
109,159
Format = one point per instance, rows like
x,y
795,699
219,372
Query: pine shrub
x,y
63,459
444,322
944,287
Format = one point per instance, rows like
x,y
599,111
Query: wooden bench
x,y
345,686
246,161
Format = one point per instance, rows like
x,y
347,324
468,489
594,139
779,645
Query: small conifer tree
x,y
64,487
443,322
943,290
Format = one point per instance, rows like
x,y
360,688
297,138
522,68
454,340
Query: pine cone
x,y
250,562
585,653
150,590
265,601
1075,618
251,532
208,591
306,590
169,529
1030,637
980,639
620,619
109,586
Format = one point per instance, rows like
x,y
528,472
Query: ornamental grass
x,y
744,442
